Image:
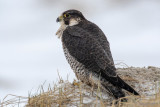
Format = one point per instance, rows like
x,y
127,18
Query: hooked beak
x,y
59,19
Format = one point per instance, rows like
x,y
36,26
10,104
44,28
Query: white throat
x,y
73,22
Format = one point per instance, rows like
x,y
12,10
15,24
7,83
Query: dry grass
x,y
77,94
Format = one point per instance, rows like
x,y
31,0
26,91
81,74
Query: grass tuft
x,y
77,94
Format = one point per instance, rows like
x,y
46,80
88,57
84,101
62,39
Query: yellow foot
x,y
76,83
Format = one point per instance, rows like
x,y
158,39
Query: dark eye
x,y
66,15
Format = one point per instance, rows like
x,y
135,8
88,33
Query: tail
x,y
118,82
117,85
125,86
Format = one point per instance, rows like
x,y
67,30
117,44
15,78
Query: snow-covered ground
x,y
30,53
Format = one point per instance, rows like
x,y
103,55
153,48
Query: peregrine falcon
x,y
87,50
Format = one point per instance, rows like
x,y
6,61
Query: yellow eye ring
x,y
66,15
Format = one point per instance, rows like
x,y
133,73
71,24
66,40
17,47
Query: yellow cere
x,y
64,15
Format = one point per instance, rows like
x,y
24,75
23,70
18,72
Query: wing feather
x,y
87,50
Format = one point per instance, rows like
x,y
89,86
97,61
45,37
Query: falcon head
x,y
70,17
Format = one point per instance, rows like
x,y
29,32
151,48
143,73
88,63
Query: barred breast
x,y
81,72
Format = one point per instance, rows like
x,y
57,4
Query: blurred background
x,y
31,54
